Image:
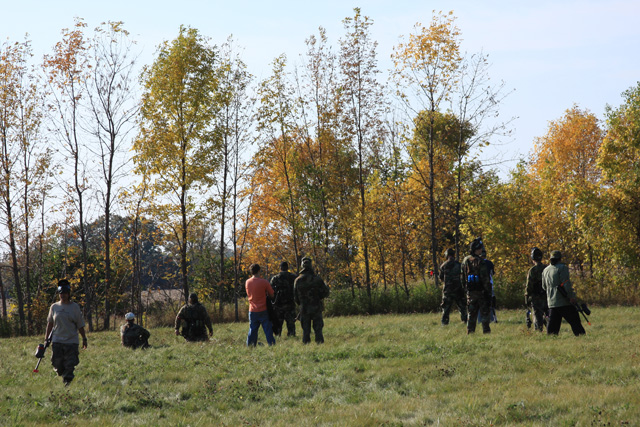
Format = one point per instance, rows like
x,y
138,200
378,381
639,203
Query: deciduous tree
x,y
619,160
178,145
426,70
67,71
363,110
113,110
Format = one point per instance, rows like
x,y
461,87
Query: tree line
x,y
186,172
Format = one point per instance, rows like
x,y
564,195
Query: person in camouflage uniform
x,y
536,297
492,272
476,274
133,335
452,290
561,297
284,301
310,291
194,320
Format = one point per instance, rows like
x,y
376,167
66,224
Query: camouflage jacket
x,y
451,276
283,287
534,280
310,290
133,335
194,319
475,272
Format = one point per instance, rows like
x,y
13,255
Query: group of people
x,y
65,322
272,304
550,296
548,291
470,286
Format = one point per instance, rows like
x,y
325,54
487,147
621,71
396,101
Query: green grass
x,y
377,370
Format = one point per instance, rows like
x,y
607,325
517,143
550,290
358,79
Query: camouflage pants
x,y
64,358
477,302
447,302
540,311
306,320
287,314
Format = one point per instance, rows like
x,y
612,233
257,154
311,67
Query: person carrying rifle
x,y
561,297
536,297
63,324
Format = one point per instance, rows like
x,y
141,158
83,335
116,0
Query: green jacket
x,y
552,277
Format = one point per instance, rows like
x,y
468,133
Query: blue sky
x,y
553,53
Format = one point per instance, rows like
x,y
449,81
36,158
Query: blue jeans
x,y
255,320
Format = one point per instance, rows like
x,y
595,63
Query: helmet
x,y
475,245
129,316
64,287
536,254
449,252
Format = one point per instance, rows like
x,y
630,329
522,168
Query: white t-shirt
x,y
67,319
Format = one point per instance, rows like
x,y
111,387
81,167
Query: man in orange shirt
x,y
257,291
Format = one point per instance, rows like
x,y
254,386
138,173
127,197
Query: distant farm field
x,y
376,370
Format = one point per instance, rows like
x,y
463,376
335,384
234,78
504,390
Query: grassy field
x,y
378,370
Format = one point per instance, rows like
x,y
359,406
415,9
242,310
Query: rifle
x,y
40,351
582,308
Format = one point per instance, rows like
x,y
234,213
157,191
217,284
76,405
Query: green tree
x,y
178,144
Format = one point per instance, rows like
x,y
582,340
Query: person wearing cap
x,y
560,296
535,296
475,272
284,303
257,290
133,335
63,324
194,320
452,289
309,292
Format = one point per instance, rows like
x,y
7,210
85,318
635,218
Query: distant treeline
x,y
181,175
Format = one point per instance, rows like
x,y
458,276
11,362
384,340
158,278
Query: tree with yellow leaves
x,y
177,145
426,70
